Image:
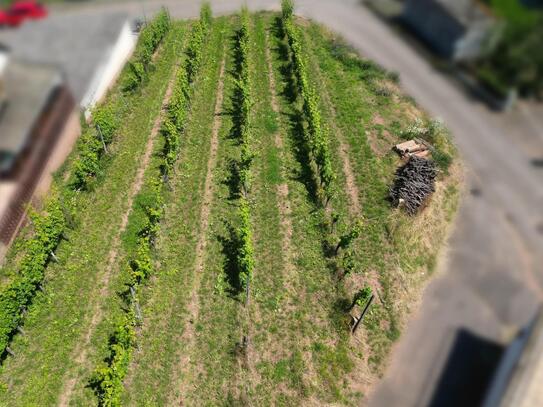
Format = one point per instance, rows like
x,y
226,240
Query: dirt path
x,y
344,153
193,307
282,189
283,346
81,352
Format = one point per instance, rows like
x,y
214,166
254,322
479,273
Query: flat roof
x,y
467,11
28,87
78,43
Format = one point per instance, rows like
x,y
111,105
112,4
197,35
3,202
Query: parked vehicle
x,y
20,11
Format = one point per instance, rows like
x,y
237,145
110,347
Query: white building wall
x,y
109,68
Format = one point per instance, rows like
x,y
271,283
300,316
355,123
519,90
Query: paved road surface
x,y
493,278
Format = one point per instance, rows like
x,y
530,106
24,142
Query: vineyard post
x,y
355,327
136,304
335,219
21,330
55,258
101,137
67,216
144,14
8,350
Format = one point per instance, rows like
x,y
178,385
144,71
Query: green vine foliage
x,y
362,296
150,37
104,120
179,105
206,14
347,239
245,103
94,140
48,229
107,380
92,144
194,50
142,265
245,252
315,136
287,9
87,164
154,212
245,255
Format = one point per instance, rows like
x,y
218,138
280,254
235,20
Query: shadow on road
x,y
468,371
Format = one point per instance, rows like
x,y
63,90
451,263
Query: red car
x,y
20,11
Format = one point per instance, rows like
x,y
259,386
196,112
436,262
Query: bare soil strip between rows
x,y
282,189
351,188
81,351
344,153
285,214
193,307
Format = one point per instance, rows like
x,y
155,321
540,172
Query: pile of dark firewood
x,y
413,184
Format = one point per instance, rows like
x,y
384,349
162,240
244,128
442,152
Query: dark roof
x,y
28,87
78,43
464,11
518,380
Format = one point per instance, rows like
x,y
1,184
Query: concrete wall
x,y
109,68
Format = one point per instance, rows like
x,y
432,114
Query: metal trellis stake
x,y
136,304
101,137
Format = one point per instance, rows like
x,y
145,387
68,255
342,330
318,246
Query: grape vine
x,y
150,37
242,106
49,227
315,137
107,379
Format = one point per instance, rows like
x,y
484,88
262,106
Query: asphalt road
x,y
492,279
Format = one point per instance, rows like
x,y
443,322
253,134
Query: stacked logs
x,y
413,184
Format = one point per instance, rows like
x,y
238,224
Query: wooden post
x,y
355,327
136,304
55,258
336,250
335,219
8,350
101,137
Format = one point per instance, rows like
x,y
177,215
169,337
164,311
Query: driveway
x,y
492,279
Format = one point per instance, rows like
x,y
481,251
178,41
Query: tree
x,y
517,61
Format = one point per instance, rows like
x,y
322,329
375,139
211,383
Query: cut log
x,y
408,148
